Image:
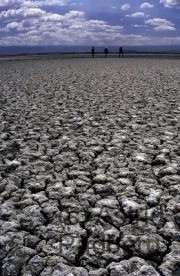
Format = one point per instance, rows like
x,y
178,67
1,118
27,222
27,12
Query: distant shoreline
x,y
39,56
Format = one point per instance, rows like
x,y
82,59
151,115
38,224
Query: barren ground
x,y
90,167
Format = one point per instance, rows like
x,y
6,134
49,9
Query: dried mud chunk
x,y
105,232
40,197
153,141
177,207
128,241
132,267
36,187
160,159
170,180
167,171
154,215
90,198
31,217
177,150
50,231
11,187
99,253
59,269
35,265
73,174
12,164
60,218
100,178
102,188
65,270
15,260
9,226
170,231
138,228
3,184
79,271
124,181
154,197
42,166
25,203
75,218
75,229
107,202
170,205
6,210
4,240
47,271
98,272
141,157
111,216
128,192
81,185
129,207
150,245
53,260
49,211
2,166
125,173
171,262
31,241
144,184
70,247
72,205
174,191
58,191
5,136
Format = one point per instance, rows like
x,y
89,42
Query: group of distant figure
x,y
106,52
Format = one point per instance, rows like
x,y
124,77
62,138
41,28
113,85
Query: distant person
x,y
120,52
106,52
93,52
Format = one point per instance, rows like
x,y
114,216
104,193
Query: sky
x,y
89,22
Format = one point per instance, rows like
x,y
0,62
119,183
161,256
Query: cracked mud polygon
x,y
90,167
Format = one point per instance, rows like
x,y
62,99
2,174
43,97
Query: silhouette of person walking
x,y
93,52
106,52
121,51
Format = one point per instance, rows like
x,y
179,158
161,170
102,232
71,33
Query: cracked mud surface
x,y
90,167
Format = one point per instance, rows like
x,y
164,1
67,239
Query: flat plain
x,y
90,167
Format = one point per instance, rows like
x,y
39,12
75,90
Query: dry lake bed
x,y
90,167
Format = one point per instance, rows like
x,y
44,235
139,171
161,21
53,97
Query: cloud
x,y
21,13
29,3
39,13
41,3
13,25
136,25
171,3
31,22
59,35
146,5
38,27
161,24
7,3
69,37
136,14
164,28
125,7
171,40
159,21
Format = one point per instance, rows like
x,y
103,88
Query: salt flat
x,y
90,167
